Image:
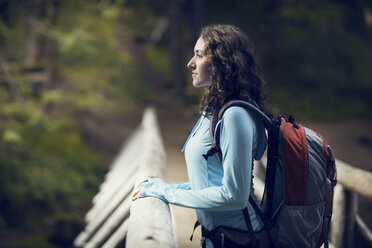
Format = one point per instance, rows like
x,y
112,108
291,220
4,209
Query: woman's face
x,y
199,65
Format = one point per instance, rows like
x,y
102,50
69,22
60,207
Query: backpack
x,y
301,173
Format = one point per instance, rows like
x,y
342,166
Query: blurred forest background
x,y
69,68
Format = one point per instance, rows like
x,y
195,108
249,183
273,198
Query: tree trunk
x,y
41,45
8,77
51,48
35,41
177,66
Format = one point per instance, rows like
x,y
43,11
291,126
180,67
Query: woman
x,y
224,64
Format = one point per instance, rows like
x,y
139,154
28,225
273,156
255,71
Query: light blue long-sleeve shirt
x,y
218,191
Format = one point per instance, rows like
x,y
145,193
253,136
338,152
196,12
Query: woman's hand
x,y
136,195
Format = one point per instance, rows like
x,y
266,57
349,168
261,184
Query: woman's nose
x,y
191,64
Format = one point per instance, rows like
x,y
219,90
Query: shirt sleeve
x,y
181,185
237,130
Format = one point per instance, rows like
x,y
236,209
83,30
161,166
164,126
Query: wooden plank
x,y
354,179
110,225
362,228
106,213
258,179
153,160
150,223
123,162
117,236
114,195
118,185
343,221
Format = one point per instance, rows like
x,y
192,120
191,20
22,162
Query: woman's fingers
x,y
136,194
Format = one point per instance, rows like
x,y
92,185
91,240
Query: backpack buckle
x,y
211,152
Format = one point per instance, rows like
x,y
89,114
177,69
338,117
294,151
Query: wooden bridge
x,y
115,221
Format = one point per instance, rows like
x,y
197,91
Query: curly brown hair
x,y
234,70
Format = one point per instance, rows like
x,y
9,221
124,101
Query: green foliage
x,y
95,65
38,240
44,164
160,59
46,167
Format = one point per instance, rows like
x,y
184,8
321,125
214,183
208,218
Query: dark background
x,y
76,75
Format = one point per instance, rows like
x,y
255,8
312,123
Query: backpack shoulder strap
x,y
215,149
216,116
248,105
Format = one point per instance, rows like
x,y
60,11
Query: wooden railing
x,y
114,220
346,221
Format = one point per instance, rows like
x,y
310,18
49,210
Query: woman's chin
x,y
200,84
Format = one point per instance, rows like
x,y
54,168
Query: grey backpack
x,y
300,177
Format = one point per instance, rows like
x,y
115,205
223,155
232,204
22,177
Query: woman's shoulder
x,y
237,113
